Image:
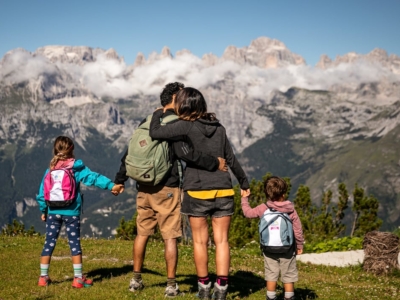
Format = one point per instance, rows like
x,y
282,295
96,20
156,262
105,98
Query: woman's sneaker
x,y
220,291
136,285
44,281
172,291
204,291
83,282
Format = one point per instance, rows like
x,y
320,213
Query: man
x,y
161,204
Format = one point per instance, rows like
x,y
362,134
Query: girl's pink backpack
x,y
60,186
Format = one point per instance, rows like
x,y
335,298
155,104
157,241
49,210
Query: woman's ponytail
x,y
63,149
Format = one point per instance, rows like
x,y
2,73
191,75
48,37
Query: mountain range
x,y
320,125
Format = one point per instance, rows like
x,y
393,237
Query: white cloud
x,y
111,77
20,66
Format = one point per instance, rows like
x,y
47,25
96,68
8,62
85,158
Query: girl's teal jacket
x,y
82,174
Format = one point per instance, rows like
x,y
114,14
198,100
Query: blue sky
x,y
308,28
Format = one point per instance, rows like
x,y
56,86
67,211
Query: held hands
x,y
222,164
245,193
117,189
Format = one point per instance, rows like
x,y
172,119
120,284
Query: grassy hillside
x,y
373,164
109,264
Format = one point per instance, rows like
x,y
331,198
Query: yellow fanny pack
x,y
211,194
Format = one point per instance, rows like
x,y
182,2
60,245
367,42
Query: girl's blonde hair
x,y
63,149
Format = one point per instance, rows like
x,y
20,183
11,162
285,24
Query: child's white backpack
x,y
276,232
60,186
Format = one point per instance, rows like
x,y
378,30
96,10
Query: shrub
x,y
18,229
127,230
341,244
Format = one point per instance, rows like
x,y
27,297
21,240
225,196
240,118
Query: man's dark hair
x,y
169,90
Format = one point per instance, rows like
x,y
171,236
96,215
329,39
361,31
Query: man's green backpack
x,y
148,160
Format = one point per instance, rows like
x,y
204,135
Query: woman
x,y
205,193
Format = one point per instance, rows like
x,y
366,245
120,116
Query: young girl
x,y
54,217
206,193
275,189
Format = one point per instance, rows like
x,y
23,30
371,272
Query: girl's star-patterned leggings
x,y
53,226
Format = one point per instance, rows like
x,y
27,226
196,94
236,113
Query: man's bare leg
x,y
171,257
139,252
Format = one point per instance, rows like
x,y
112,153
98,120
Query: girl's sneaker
x,y
79,283
44,281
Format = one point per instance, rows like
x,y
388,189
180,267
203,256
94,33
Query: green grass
x,y
109,264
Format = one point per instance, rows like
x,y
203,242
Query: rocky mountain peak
x,y
209,59
165,52
140,60
263,44
380,56
112,54
377,52
154,56
346,58
324,62
68,54
235,54
10,53
264,53
182,52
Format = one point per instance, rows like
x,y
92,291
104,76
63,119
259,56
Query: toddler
x,y
275,189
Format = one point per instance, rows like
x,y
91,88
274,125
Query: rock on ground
x,y
338,259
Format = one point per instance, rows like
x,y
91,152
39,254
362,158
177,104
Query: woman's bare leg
x,y
200,239
221,236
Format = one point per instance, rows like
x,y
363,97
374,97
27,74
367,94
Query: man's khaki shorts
x,y
159,205
285,265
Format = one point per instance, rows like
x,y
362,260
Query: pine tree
x,y
326,201
323,223
365,210
340,208
307,212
